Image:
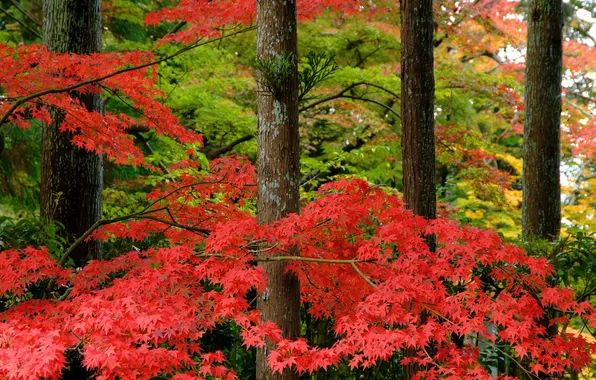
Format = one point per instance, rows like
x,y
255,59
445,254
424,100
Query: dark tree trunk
x,y
417,116
72,178
278,164
542,187
417,107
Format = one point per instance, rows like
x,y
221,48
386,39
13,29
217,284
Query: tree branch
x,y
308,260
143,214
36,95
21,22
375,102
342,94
25,12
145,143
577,107
96,225
494,56
212,153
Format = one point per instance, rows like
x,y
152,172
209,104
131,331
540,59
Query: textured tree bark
x,y
72,178
541,207
417,107
278,165
417,117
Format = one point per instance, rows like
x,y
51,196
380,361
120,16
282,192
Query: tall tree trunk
x,y
72,178
541,208
417,107
417,116
278,164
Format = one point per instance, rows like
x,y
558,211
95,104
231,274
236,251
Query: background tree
x,y
544,61
417,107
72,177
278,160
417,117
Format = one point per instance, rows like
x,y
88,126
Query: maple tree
x,y
141,315
364,267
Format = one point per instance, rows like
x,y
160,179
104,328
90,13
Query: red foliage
x,y
142,314
364,261
205,18
32,69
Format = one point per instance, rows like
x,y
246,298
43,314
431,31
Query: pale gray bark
x,y
278,166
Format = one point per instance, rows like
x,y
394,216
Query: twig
x,y
368,281
201,231
295,258
213,153
161,165
106,221
342,94
577,107
25,12
310,260
375,102
20,22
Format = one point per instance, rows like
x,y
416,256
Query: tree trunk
x,y
417,117
72,178
541,207
417,107
278,164
541,152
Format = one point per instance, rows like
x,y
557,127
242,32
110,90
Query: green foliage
x,y
20,170
275,71
574,258
317,68
31,232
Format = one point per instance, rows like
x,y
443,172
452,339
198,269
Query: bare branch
x,y
21,23
212,153
368,281
25,12
342,94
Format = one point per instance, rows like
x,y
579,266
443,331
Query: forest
x,y
297,189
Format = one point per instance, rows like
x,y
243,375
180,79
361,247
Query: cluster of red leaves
x,y
365,265
479,26
205,18
583,138
32,69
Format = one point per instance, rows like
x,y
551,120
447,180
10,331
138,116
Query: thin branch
x,y
21,22
577,107
309,260
494,56
213,153
96,225
25,12
294,258
145,143
375,102
177,27
580,96
65,295
342,94
368,281
30,97
200,231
